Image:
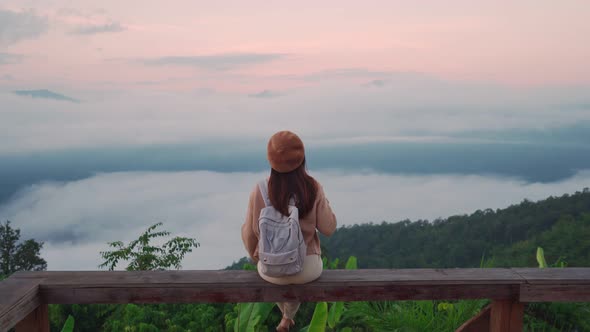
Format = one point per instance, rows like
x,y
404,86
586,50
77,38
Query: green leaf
x,y
244,314
320,317
351,263
541,258
69,325
335,313
260,313
346,329
250,315
255,319
334,264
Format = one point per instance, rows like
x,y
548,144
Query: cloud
x,y
98,28
266,94
77,218
7,77
405,107
215,62
45,94
88,22
376,83
10,58
17,26
75,12
346,73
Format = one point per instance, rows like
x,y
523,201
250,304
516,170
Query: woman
x,y
289,178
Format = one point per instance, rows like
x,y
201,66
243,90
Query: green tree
x,y
141,254
144,255
15,256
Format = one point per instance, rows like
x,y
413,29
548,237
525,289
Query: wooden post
x,y
506,316
36,321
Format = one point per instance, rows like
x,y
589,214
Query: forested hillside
x,y
507,236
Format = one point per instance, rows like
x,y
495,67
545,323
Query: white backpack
x,y
281,247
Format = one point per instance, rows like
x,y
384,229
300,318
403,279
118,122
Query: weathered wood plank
x,y
555,284
575,275
333,285
506,316
229,286
555,292
272,293
356,277
477,323
36,321
18,298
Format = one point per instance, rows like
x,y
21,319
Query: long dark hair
x,y
297,184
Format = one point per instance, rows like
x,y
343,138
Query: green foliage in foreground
x,y
143,255
252,317
324,318
319,318
413,315
69,325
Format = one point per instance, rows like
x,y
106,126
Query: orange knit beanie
x,y
285,151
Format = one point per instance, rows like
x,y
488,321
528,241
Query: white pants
x,y
312,269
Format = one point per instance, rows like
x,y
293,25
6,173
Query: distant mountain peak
x,y
45,94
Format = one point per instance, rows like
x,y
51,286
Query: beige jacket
x,y
320,218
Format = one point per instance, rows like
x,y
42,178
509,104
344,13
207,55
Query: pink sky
x,y
515,43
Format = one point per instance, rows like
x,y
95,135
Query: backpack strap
x,y
263,187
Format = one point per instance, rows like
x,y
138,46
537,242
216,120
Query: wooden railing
x,y
25,295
